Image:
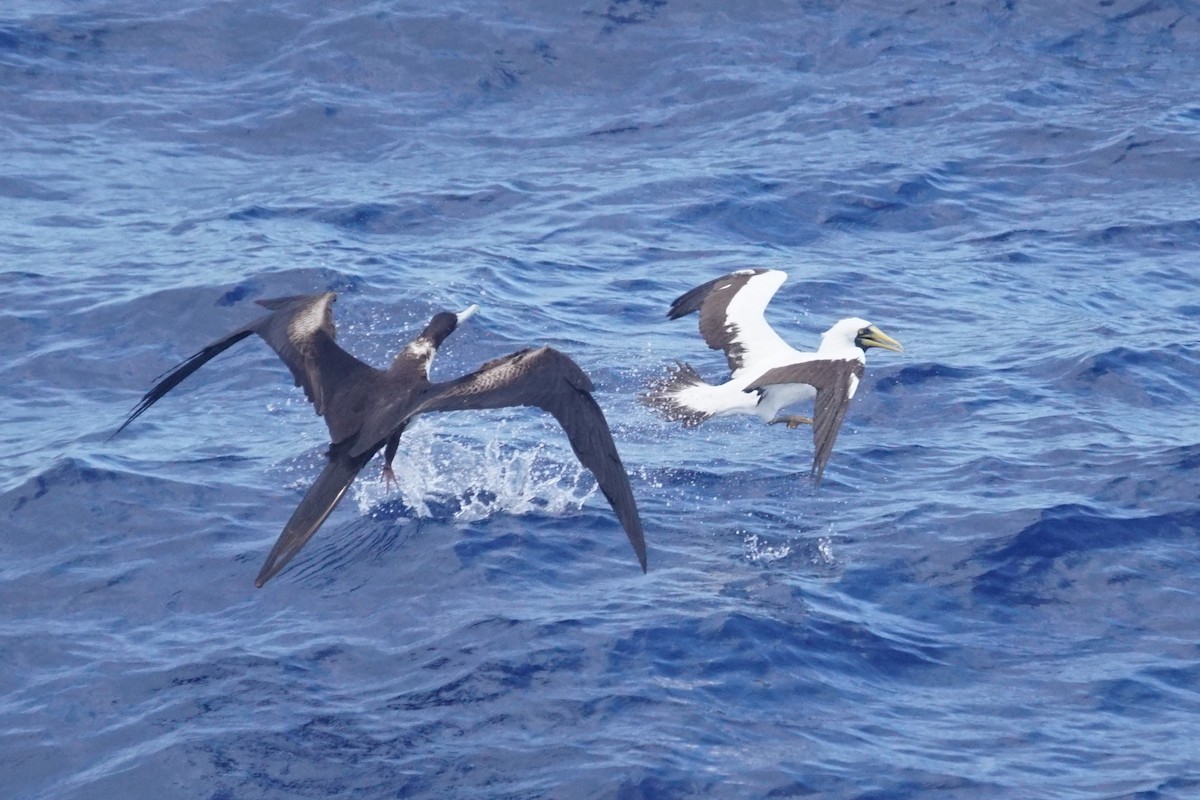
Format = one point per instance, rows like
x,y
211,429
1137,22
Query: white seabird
x,y
766,373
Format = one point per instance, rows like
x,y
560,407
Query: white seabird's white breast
x,y
853,387
779,396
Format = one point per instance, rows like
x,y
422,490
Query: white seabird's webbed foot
x,y
793,421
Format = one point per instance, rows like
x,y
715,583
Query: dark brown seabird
x,y
367,409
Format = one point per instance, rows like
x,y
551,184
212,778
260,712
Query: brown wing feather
x,y
831,378
300,330
175,376
297,348
302,333
549,380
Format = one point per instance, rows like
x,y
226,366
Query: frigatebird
x,y
367,409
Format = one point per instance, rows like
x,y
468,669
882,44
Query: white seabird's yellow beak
x,y
877,338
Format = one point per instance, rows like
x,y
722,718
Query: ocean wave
x,y
1042,562
990,594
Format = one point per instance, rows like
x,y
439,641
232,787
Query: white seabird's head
x,y
854,333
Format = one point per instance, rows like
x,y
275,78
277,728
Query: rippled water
x,y
993,593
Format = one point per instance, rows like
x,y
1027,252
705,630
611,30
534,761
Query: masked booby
x,y
367,409
766,373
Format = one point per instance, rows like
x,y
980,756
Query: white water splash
x,y
824,554
759,551
434,471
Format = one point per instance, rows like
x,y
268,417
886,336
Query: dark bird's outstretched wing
x,y
300,329
731,314
551,381
835,381
318,503
173,378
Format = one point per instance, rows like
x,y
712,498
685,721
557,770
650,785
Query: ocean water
x,y
993,594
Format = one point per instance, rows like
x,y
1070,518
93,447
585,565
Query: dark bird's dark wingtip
x,y
137,412
318,503
269,570
279,558
817,473
276,561
638,539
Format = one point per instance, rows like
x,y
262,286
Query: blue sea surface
x,y
994,593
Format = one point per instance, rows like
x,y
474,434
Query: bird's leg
x,y
389,453
793,420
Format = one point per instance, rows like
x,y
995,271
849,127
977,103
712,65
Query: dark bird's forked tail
x,y
322,497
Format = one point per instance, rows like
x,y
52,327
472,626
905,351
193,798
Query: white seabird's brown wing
x,y
835,380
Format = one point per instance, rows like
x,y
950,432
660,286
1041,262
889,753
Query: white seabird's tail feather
x,y
666,395
669,395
